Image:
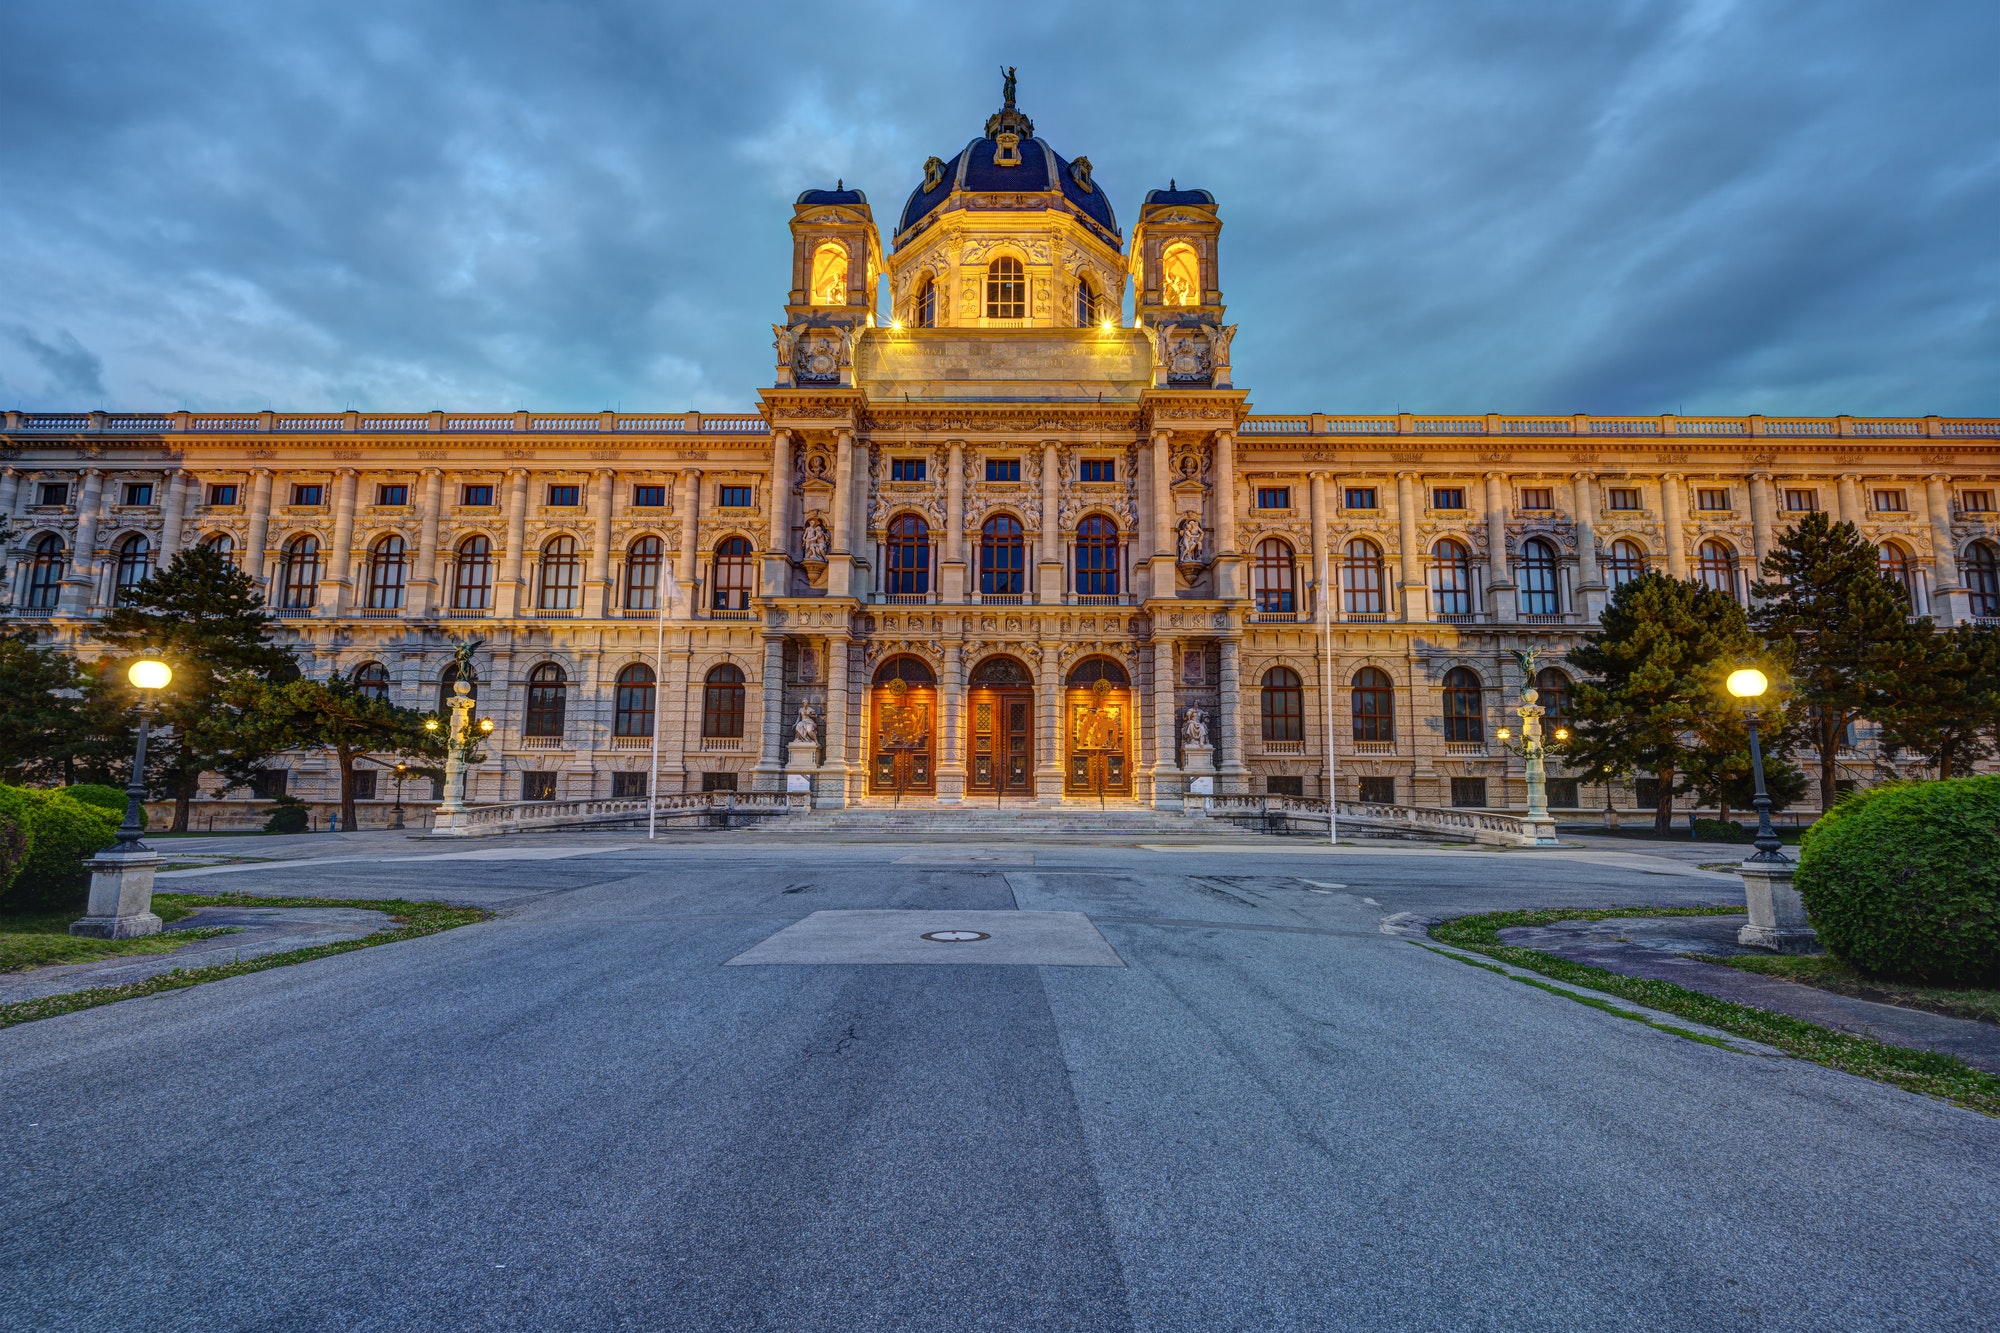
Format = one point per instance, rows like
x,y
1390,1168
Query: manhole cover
x,y
956,936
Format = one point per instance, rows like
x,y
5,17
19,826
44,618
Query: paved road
x,y
1274,1116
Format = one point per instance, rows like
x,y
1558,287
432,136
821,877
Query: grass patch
x,y
42,939
1926,1072
1830,973
412,920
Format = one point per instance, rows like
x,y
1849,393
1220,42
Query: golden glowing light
x,y
149,674
1503,733
896,324
430,724
1562,733
486,724
1748,683
1106,326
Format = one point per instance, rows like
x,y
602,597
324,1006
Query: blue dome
x,y
1042,169
835,196
1178,196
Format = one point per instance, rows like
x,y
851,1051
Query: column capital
x,y
347,472
1326,474
431,472
516,473
1941,478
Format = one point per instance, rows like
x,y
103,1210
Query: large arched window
x,y
135,564
1623,563
1451,579
829,275
1006,289
722,702
1093,669
1097,557
1002,557
562,570
1539,596
1284,705
1464,713
643,559
909,556
924,309
1982,578
298,581
733,575
1361,578
1374,705
548,688
1087,304
633,712
1273,576
388,572
1894,562
222,544
906,667
1180,275
1553,693
1717,567
446,680
371,681
472,575
45,575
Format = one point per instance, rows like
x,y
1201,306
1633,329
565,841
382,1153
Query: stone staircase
x,y
984,819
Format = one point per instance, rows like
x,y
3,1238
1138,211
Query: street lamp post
x,y
121,879
402,771
1749,685
1777,913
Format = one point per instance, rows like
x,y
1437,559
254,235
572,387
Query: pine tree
x,y
42,708
1845,628
204,616
1652,684
336,716
1947,707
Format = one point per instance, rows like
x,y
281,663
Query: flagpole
x,y
666,591
1326,643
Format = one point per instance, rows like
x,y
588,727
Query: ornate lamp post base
x,y
1777,914
121,897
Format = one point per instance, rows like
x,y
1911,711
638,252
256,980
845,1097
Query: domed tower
x,y
836,265
1178,287
1005,234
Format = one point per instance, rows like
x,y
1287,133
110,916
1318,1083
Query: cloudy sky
x,y
1565,205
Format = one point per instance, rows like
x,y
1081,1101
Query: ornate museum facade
x,y
1002,541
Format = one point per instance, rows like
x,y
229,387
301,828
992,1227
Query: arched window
x,y
547,691
733,574
1180,275
1093,669
1552,691
829,275
135,564
633,712
642,574
388,572
1451,578
45,575
472,575
371,681
722,702
446,680
298,582
1623,563
1097,557
1284,705
1538,579
1273,575
561,571
1000,671
1006,289
1374,705
909,556
1087,303
1464,714
1717,567
909,669
924,308
222,544
1982,578
1895,566
1361,578
1002,556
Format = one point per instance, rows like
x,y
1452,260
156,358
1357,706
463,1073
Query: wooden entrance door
x,y
1098,762
903,739
1001,759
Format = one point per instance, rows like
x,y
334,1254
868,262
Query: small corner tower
x,y
1178,287
836,266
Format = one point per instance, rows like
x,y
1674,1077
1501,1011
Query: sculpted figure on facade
x,y
1193,540
815,538
1194,727
807,727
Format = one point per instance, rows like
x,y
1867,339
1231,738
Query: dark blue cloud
x,y
1614,207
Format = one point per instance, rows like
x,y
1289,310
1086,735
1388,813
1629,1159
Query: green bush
x,y
105,797
63,833
1903,881
15,808
288,819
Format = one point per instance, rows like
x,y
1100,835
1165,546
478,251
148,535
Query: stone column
x,y
689,535
597,602
1050,572
1763,511
1850,498
770,774
1228,563
79,591
951,763
1499,578
1673,516
954,574
1589,580
255,558
1048,722
831,791
1411,557
777,581
171,512
1232,775
1948,601
511,600
840,561
1322,555
338,578
1166,581
1167,786
423,595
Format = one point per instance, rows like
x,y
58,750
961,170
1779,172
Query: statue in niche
x,y
1194,727
1192,540
829,275
807,727
815,538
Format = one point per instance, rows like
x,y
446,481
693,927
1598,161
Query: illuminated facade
x,y
1002,540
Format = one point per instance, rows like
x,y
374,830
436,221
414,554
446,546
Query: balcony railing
x,y
631,742
1097,599
721,744
1466,749
1284,747
1002,599
731,615
907,598
380,613
1279,617
543,743
468,612
1375,747
1465,618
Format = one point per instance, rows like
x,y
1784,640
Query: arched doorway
x,y
1097,708
1000,729
902,706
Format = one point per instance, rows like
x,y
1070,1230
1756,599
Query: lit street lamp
x,y
121,878
1749,685
402,771
1777,915
149,676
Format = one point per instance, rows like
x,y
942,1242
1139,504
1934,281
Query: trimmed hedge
x,y
63,833
1903,881
288,819
105,797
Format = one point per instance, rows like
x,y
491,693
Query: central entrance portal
x,y
1000,729
903,701
1097,712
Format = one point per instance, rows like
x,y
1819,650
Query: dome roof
x,y
839,194
1175,195
1042,169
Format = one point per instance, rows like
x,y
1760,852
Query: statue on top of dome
x,y
1007,85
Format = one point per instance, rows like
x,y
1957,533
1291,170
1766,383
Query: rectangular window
x,y
1274,497
649,497
563,497
1378,791
1360,497
476,497
538,786
269,783
55,493
735,497
1888,502
1538,497
1003,469
1100,469
1276,786
364,784
1976,502
309,494
1624,497
222,494
138,492
1563,794
397,494
1468,792
908,469
1801,502
718,782
1646,793
1446,497
627,786
1712,498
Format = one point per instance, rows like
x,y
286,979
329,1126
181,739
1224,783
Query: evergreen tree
x,y
1845,628
335,716
1947,707
42,709
1651,698
204,616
